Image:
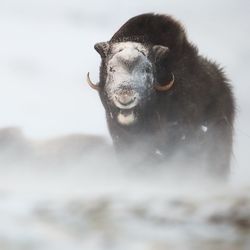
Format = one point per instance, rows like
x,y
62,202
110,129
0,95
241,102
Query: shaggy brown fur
x,y
200,99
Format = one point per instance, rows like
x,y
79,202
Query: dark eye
x,y
111,69
147,70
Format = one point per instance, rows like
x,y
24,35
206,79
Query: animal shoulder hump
x,y
152,29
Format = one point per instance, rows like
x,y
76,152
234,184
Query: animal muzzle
x,y
125,99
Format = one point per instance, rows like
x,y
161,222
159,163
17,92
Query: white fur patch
x,y
120,74
126,119
130,47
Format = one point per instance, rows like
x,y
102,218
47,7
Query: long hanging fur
x,y
195,115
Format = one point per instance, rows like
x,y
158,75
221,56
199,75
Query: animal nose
x,y
125,99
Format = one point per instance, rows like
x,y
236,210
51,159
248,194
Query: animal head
x,y
129,79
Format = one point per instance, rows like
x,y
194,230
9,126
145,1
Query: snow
x,y
54,193
132,50
204,128
120,75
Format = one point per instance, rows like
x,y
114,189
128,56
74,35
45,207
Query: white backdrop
x,y
58,196
47,49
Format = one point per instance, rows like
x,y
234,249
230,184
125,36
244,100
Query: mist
x,y
61,184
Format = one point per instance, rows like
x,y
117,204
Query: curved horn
x,y
91,84
165,87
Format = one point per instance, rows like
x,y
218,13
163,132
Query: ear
x,y
159,52
102,48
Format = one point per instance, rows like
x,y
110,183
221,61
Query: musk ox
x,y
162,97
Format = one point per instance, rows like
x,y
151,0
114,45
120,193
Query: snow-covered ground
x,y
58,190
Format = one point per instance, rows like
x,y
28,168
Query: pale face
x,y
129,82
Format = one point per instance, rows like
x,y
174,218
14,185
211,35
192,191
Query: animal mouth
x,y
125,102
126,112
126,117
